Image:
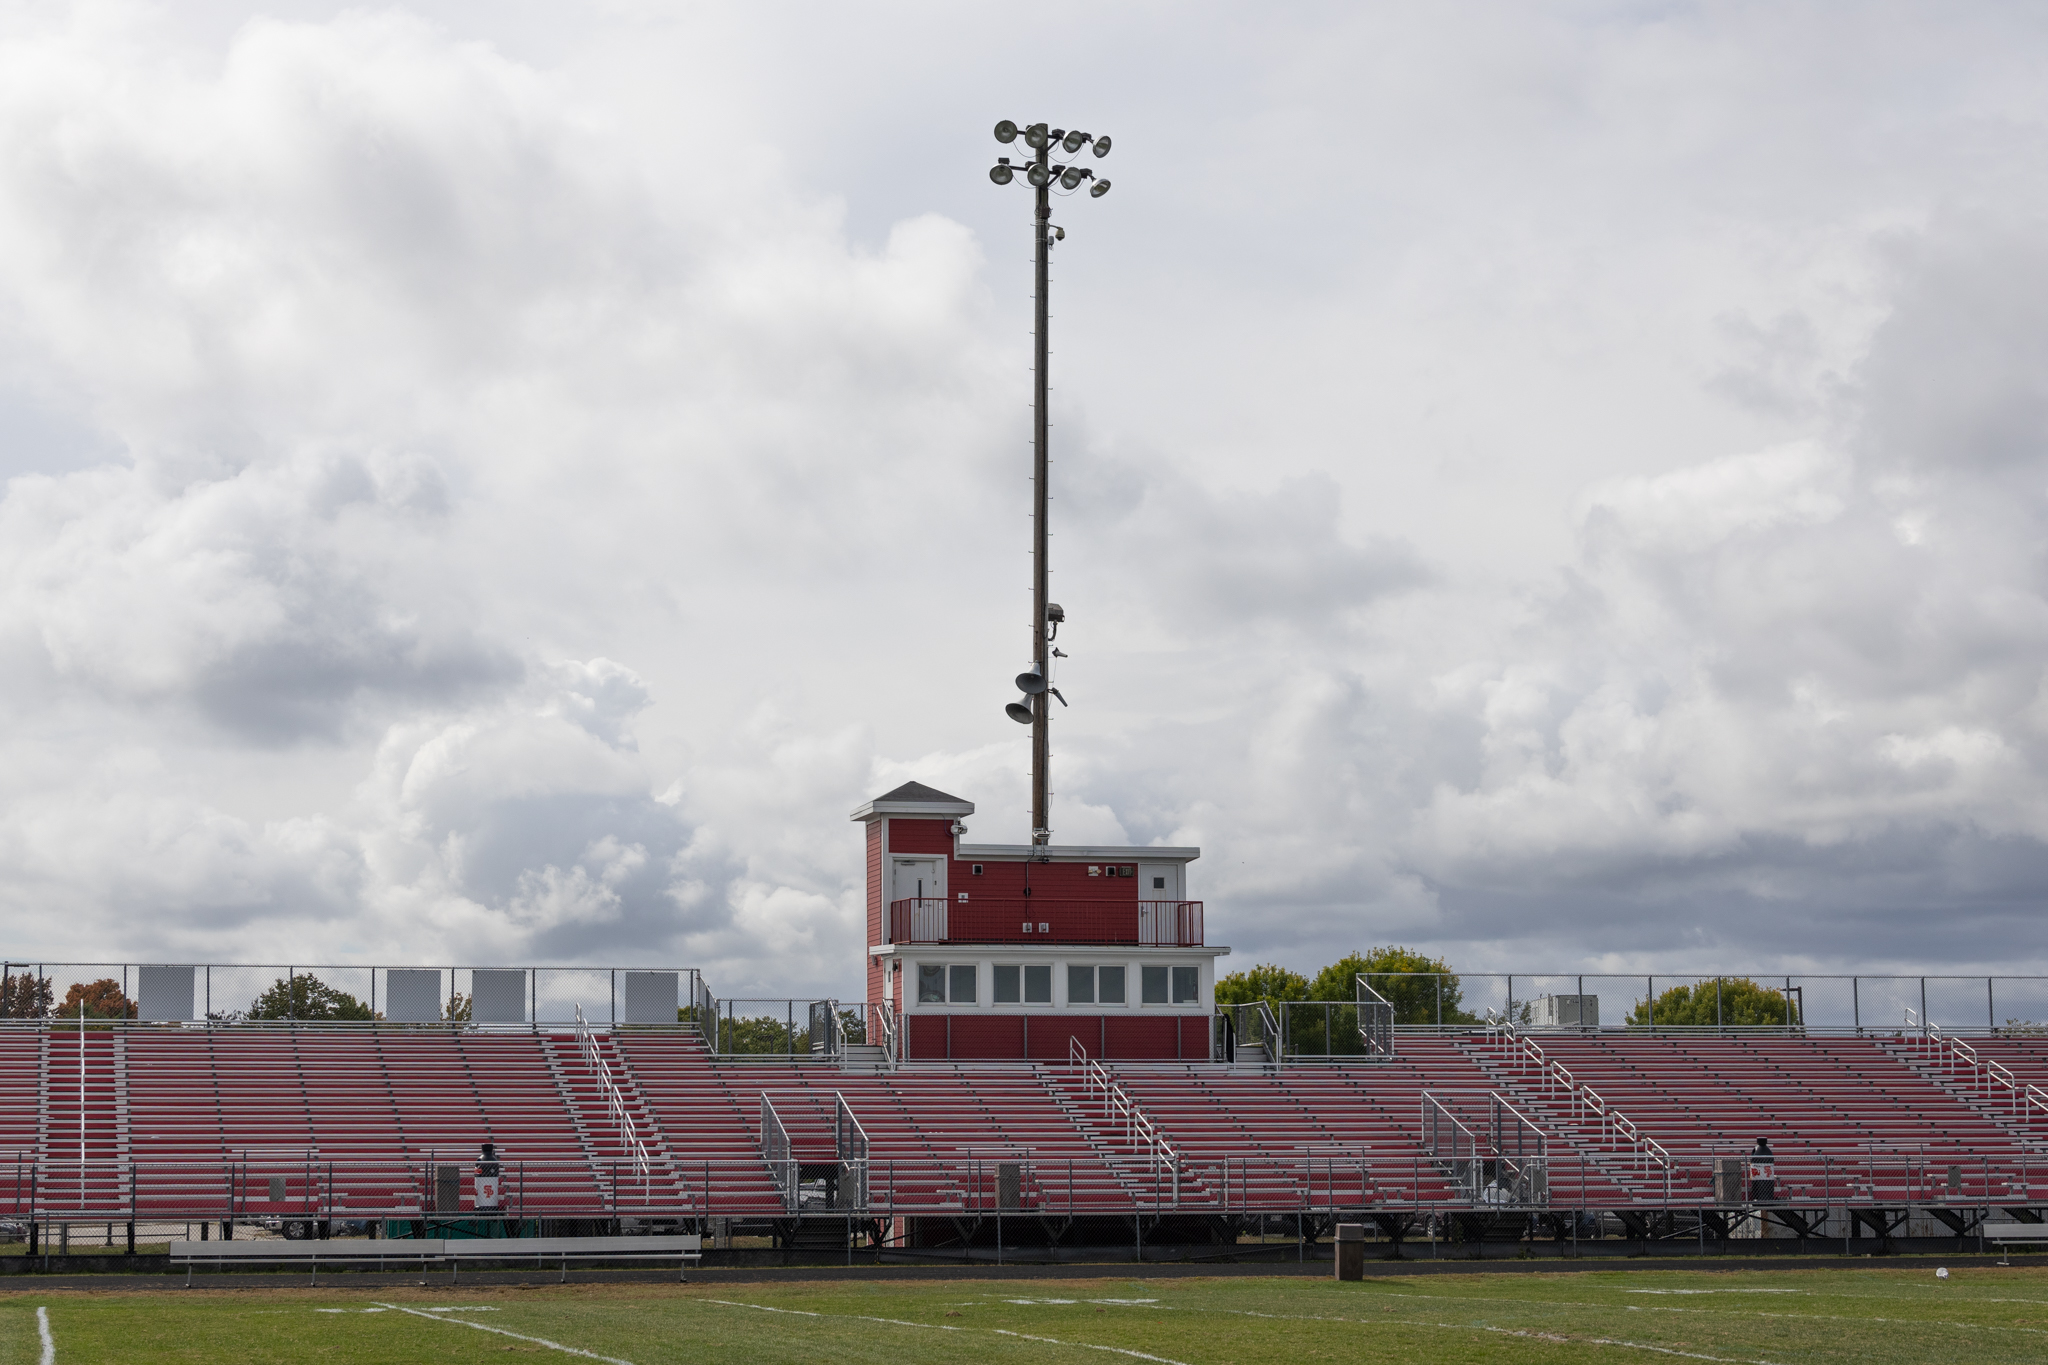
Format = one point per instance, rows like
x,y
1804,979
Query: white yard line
x,y
43,1331
942,1327
1085,1346
519,1336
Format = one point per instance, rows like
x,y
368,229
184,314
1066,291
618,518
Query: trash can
x,y
1350,1251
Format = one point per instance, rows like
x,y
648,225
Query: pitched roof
x,y
918,791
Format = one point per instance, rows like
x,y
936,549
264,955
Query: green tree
x,y
102,999
761,1034
307,997
1742,1004
457,1010
1264,982
24,996
1409,981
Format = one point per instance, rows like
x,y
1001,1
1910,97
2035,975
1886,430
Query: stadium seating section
x,y
260,1122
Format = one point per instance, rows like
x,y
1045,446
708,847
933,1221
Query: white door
x,y
922,880
918,879
1159,882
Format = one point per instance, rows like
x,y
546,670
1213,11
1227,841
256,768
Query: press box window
x,y
1187,985
932,981
1093,985
1152,985
1023,985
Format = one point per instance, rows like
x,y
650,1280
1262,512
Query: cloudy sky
x,y
1562,486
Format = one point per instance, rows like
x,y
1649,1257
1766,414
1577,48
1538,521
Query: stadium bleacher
x,y
251,1122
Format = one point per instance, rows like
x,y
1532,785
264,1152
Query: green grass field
x,y
1978,1314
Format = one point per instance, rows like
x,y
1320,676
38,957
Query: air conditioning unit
x,y
1566,1011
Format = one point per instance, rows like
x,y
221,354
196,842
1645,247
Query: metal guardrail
x,y
1459,1176
775,1151
1118,1106
2028,1102
1615,1128
342,994
615,1101
850,1150
1047,919
1375,1020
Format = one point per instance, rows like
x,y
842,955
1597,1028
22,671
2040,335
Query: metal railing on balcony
x,y
1045,919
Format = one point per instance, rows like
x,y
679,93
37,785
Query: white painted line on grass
x,y
857,1317
942,1327
518,1336
1085,1346
43,1331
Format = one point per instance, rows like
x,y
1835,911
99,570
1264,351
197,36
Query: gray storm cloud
x,y
468,506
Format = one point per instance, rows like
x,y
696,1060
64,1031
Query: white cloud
x,y
503,485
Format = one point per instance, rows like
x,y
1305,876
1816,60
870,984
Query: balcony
x,y
1045,920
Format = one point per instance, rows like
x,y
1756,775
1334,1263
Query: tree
x,y
1741,1004
102,999
307,997
761,1034
1410,982
457,1010
1264,982
24,996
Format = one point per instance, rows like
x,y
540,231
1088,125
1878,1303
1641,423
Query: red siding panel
x,y
1141,1038
925,1038
1057,880
922,836
998,1037
875,885
1051,1034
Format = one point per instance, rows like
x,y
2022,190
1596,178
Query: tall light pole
x,y
1043,174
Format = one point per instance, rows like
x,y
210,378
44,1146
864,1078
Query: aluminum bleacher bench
x,y
398,1253
2004,1235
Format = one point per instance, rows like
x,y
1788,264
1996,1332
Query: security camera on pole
x,y
1042,173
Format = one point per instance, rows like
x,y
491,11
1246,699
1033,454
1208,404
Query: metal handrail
x,y
1375,1019
850,1150
776,1152
1521,1051
1139,1129
615,1101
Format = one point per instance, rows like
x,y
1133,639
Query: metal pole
x,y
1041,724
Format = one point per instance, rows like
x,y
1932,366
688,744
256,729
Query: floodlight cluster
x,y
1043,172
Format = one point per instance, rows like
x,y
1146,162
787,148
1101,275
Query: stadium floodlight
x,y
1042,174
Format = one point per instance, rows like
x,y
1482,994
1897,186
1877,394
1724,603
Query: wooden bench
x,y
686,1249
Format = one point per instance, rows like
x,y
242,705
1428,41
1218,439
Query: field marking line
x,y
857,1317
1705,1312
1085,1346
943,1327
520,1336
49,1342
